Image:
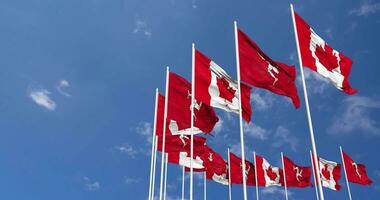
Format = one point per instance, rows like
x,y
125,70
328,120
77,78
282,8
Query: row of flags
x,y
187,109
226,172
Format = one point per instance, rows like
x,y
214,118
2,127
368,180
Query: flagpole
x,y
166,174
192,118
183,182
229,175
154,165
314,148
315,181
345,172
204,186
164,133
240,111
153,145
284,173
256,181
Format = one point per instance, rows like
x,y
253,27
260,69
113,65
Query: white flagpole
x,y
229,175
345,172
315,179
183,182
256,181
284,173
153,145
240,110
154,166
192,118
314,148
166,174
204,186
163,132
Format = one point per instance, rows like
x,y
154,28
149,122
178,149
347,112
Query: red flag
x,y
236,171
356,173
216,166
214,87
259,70
160,115
296,176
183,158
267,175
330,174
179,102
321,58
174,143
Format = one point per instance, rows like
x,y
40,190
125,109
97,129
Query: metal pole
x,y
314,177
284,173
256,180
166,174
314,148
345,172
154,166
240,110
192,118
183,182
153,145
229,175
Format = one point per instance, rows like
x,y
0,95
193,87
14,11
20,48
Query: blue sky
x,y
78,78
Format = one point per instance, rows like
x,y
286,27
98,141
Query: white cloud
x,y
218,127
366,8
91,185
41,97
356,116
275,191
328,32
145,129
127,149
142,27
255,131
262,100
129,180
283,137
194,4
62,84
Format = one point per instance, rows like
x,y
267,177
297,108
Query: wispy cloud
x,y
91,185
62,85
355,115
262,100
142,28
283,137
145,129
130,180
366,8
316,84
42,98
255,131
194,4
218,127
127,149
275,191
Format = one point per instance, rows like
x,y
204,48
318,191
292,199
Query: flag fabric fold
x,y
356,173
214,87
236,171
267,175
330,173
318,56
259,70
296,176
215,165
181,143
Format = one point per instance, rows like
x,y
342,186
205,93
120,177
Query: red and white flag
x,y
330,173
321,58
296,176
356,173
216,166
236,168
179,103
259,70
183,159
174,143
214,87
267,175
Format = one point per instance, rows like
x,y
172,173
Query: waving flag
x,y
216,166
320,57
174,143
183,159
214,87
160,115
267,175
179,102
330,174
236,171
296,176
259,70
356,173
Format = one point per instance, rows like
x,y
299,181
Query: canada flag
x,y
330,173
267,175
320,57
214,87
